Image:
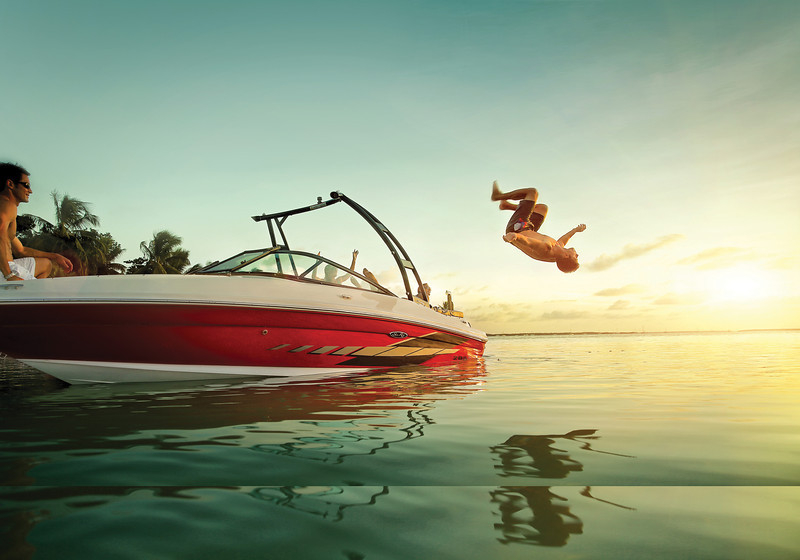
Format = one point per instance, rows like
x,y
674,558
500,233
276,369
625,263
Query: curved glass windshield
x,y
234,261
300,266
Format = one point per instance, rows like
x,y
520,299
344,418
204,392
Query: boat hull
x,y
82,339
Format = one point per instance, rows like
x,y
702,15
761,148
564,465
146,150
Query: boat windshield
x,y
295,265
234,261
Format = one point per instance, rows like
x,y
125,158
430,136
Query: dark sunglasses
x,y
26,185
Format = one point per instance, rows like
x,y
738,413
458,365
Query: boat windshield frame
x,y
276,220
288,268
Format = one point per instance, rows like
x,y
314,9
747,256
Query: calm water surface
x,y
596,446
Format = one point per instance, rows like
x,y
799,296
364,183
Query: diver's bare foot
x,y
497,194
506,205
510,237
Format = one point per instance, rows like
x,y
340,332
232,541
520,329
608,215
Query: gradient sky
x,y
671,128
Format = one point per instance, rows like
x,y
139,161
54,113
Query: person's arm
x,y
5,248
371,277
314,274
60,260
344,277
5,269
567,236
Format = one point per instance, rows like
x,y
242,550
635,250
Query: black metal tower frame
x,y
275,222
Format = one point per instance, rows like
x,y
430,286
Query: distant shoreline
x,y
639,332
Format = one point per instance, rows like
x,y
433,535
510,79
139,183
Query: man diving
x,y
522,230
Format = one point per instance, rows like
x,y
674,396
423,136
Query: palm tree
x,y
102,253
90,251
72,216
161,255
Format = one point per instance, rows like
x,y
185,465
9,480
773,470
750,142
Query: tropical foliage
x,y
161,255
73,235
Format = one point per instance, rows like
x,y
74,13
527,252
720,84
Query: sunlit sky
x,y
671,128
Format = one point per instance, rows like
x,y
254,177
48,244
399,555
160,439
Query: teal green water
x,y
586,446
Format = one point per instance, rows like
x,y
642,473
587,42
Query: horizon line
x,y
641,332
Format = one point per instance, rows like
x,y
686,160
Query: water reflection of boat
x,y
325,420
22,508
328,502
265,312
536,455
334,441
325,503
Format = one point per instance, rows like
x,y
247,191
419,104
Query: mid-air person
x,y
522,230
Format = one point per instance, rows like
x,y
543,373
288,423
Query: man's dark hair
x,y
567,265
11,171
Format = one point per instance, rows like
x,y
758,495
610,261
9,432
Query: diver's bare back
x,y
534,244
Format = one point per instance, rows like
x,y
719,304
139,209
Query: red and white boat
x,y
259,313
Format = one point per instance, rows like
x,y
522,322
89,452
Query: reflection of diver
x,y
522,455
587,492
551,525
529,516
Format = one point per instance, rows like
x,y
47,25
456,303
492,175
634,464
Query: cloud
x,y
718,257
680,299
500,312
629,289
619,304
472,290
631,251
783,263
388,276
558,315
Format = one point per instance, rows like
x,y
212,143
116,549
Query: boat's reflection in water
x,y
127,436
316,425
328,502
321,419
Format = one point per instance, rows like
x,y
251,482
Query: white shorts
x,y
25,268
